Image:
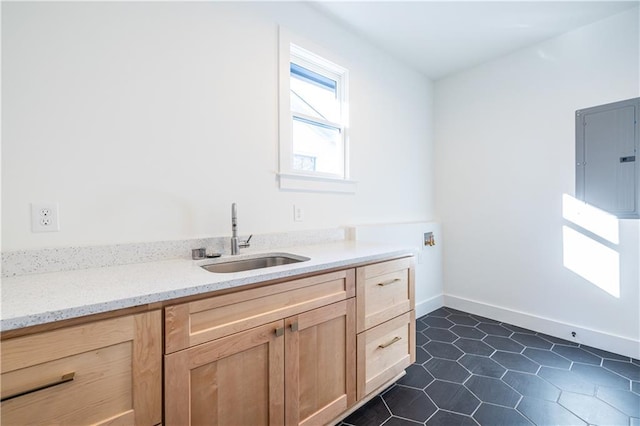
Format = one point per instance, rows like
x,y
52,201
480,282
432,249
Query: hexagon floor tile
x,y
473,370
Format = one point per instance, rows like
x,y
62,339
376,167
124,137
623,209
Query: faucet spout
x,y
236,244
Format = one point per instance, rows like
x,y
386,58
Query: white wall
x,y
505,157
145,121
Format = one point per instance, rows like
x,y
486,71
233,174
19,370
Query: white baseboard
x,y
597,339
425,306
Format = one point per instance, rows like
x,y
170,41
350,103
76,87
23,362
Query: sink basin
x,y
253,262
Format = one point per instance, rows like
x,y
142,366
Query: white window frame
x,y
294,49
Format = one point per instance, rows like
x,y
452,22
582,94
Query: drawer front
x,y
108,372
385,290
198,322
385,351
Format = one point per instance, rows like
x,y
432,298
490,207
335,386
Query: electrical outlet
x,y
298,213
44,217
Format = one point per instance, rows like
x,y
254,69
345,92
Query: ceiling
x,y
442,37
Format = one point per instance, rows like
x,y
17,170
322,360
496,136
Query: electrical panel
x,y
607,171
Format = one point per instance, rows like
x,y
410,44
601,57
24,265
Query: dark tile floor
x,y
472,370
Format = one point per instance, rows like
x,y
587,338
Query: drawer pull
x,y
384,283
279,331
394,340
294,326
64,379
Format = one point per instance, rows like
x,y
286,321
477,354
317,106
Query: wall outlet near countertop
x,y
44,217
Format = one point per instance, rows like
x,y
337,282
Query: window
x,y
313,120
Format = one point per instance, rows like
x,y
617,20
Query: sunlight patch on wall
x,y
592,260
601,223
595,261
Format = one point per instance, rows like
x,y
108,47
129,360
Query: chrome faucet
x,y
236,243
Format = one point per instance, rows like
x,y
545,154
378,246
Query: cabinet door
x,y
235,380
104,372
320,364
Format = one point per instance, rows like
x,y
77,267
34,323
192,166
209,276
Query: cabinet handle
x,y
394,340
64,379
279,331
382,284
294,326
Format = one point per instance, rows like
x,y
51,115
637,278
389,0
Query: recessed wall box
x,y
429,240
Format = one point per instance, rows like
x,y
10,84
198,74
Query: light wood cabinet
x,y
106,372
281,354
385,321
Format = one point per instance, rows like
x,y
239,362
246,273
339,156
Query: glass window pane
x,y
313,94
317,146
313,77
304,162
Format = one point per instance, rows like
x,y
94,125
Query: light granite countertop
x,y
34,299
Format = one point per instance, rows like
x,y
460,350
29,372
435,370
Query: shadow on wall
x,y
591,239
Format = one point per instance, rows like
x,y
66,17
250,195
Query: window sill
x,y
304,183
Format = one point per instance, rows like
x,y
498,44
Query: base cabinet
x,y
299,370
298,353
386,322
106,372
301,352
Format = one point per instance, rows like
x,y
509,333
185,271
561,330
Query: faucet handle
x,y
245,243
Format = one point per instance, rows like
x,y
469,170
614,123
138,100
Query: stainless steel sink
x,y
253,262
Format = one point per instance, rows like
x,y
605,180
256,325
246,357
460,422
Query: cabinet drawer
x,y
107,372
385,351
384,290
193,323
